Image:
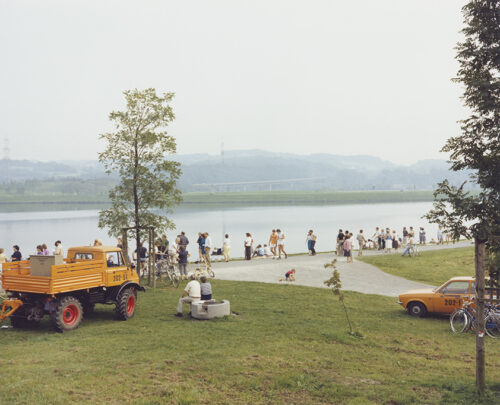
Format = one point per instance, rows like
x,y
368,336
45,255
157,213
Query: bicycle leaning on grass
x,y
464,319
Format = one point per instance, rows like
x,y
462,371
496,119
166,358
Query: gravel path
x,y
356,276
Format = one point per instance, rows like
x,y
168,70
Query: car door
x,y
451,296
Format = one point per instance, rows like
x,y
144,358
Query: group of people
x,y
194,291
41,250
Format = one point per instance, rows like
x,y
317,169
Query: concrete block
x,y
210,309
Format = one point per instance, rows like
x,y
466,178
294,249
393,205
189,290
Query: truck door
x,y
116,268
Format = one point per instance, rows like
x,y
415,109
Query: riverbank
x,y
232,198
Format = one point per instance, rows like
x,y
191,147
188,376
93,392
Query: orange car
x,y
441,300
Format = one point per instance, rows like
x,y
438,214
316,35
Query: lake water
x,y
79,227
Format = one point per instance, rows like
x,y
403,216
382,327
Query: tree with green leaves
x,y
477,148
138,151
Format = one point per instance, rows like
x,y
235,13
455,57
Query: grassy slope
x,y
432,267
288,345
272,197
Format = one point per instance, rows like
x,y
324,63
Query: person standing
x,y
388,241
311,241
183,240
340,243
361,241
46,251
405,235
376,236
208,248
164,244
347,246
421,236
16,256
273,242
191,293
201,246
439,236
183,261
248,246
226,247
59,250
281,244
395,241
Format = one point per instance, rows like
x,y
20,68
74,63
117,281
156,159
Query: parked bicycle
x,y
164,267
464,319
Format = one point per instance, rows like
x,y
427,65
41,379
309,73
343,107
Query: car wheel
x,y
417,309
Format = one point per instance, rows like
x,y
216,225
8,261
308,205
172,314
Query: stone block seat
x,y
210,309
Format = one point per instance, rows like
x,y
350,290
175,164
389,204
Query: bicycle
x,y
463,320
207,271
164,266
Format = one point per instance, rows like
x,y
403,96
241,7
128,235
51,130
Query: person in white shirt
x,y
208,248
248,246
226,247
281,244
59,250
191,293
267,251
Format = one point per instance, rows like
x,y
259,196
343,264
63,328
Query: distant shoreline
x,y
242,198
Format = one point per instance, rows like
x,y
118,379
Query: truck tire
x,y
67,315
125,304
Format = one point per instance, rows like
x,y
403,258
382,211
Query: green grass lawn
x,y
287,345
431,267
234,198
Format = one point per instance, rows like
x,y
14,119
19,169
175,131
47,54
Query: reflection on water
x,y
79,227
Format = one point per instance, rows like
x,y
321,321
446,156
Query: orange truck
x,y
67,289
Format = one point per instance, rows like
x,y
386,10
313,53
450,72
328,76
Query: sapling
x,y
335,284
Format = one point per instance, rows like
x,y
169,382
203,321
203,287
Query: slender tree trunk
x,y
479,254
136,211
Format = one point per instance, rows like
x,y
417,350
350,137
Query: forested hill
x,y
258,170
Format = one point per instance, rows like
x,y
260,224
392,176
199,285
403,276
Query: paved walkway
x,y
310,271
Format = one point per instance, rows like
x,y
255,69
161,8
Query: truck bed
x,y
66,277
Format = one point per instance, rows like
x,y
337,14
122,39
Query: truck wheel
x,y
67,315
125,304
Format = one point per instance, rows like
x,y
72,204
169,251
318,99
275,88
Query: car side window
x,y
456,287
114,259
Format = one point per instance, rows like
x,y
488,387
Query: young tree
x,y
478,149
138,151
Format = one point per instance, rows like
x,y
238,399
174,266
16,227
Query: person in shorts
x,y
273,242
347,248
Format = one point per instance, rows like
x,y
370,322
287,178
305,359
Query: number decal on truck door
x,y
117,277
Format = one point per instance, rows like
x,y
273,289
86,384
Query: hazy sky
x,y
343,77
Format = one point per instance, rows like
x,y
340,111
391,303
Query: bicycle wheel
x,y
175,280
459,321
211,273
492,323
